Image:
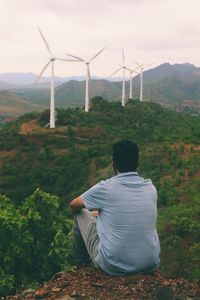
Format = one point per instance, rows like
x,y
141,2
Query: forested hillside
x,y
65,161
13,105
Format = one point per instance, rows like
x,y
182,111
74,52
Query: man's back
x,y
126,224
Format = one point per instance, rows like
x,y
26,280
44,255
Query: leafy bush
x,y
14,239
35,241
179,228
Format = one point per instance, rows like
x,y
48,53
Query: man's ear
x,y
114,168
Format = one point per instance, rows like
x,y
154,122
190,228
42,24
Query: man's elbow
x,y
76,205
71,205
74,208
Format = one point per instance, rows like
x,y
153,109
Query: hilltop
x,y
83,134
42,169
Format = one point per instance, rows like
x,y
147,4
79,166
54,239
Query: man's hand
x,y
76,205
94,213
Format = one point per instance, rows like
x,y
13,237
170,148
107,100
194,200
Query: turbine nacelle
x,y
123,66
131,71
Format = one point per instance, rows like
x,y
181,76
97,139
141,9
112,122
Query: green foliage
x,y
35,241
49,229
99,104
14,241
179,228
69,159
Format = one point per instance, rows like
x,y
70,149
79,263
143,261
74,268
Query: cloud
x,y
147,29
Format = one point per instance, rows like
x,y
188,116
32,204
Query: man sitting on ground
x,y
123,239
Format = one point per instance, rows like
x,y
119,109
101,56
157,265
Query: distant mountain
x,y
172,84
17,80
174,88
152,75
166,70
72,93
169,85
4,85
26,80
12,104
166,84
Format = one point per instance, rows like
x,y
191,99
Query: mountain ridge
x,y
169,85
23,78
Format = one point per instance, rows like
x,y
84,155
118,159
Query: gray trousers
x,y
85,238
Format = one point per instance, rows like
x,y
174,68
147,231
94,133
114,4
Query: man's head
x,y
125,156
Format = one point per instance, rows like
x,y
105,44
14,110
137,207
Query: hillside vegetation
x,y
12,104
69,159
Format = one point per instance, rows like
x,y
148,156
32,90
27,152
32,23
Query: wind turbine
x,y
88,76
123,67
131,81
51,61
141,67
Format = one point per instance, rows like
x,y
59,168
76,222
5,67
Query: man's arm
x,y
76,205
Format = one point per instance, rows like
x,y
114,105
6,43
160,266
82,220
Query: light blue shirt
x,y
126,224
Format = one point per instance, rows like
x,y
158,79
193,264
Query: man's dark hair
x,y
125,156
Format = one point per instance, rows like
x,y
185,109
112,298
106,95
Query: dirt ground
x,y
91,284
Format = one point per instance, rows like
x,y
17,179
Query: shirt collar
x,y
127,174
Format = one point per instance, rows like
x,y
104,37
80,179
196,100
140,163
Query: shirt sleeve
x,y
95,197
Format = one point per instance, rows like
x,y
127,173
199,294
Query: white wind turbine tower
x,y
88,76
131,81
123,81
141,78
52,58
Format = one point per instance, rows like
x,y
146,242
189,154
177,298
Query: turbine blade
x,y
62,59
80,59
97,54
45,42
137,63
132,70
145,66
115,72
43,70
128,69
136,69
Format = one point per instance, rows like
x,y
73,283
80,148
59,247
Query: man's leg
x,y
86,239
80,251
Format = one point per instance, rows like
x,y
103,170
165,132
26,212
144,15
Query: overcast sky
x,y
150,31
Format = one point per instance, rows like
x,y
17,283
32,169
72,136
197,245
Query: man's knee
x,y
84,217
75,224
80,215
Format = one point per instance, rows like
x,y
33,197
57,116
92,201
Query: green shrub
x,y
14,240
35,241
179,230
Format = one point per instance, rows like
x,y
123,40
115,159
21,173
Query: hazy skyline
x,y
155,31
